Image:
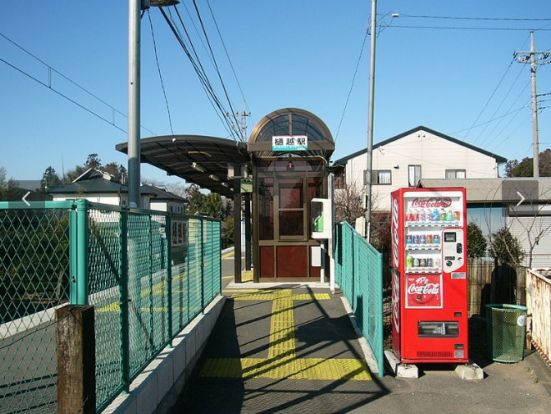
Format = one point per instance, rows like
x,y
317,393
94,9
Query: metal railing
x,y
147,273
538,301
359,274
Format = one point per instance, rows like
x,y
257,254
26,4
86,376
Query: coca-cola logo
x,y
431,202
424,291
395,236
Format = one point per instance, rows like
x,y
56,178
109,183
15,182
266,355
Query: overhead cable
x,y
68,79
74,102
217,69
228,56
160,74
205,83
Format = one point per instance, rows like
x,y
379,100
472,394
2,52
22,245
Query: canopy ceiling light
x,y
197,167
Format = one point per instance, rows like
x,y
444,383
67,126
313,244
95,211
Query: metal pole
x,y
237,226
134,8
535,138
370,118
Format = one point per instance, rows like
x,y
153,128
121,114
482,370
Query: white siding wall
x,y
434,154
99,198
519,227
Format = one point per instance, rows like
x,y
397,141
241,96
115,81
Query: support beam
x,y
248,259
237,225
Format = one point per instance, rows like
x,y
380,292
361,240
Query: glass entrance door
x,y
283,203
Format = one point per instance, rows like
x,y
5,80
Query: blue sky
x,y
286,54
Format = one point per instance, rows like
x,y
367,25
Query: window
x,y
178,232
451,174
379,177
414,175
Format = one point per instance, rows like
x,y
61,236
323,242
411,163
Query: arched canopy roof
x,y
201,160
291,122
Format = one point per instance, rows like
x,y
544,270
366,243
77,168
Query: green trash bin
x,y
506,331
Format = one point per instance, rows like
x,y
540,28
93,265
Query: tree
x,y
49,179
525,168
476,241
195,199
348,204
506,248
3,184
93,161
118,171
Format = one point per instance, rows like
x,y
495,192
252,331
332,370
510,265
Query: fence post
x,y
202,269
78,252
123,292
76,360
220,253
168,235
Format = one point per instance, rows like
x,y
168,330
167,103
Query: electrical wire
x,y
218,70
205,83
490,121
228,56
160,74
396,26
200,70
352,83
502,102
68,79
515,19
74,102
489,99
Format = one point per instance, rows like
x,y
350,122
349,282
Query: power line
x,y
217,68
61,94
469,28
159,71
203,77
490,98
198,68
490,120
352,83
514,19
228,56
501,103
67,78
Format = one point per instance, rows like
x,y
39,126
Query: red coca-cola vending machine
x,y
429,275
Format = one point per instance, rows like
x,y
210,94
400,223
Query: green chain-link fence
x,y
359,274
148,274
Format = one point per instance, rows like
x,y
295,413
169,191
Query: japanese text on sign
x,y
289,143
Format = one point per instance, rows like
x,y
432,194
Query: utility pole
x,y
370,117
534,58
134,103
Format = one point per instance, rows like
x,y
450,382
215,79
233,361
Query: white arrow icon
x,y
521,198
25,199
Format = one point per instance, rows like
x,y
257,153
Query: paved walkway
x,y
276,350
294,351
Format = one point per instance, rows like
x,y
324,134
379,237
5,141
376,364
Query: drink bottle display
x,y
429,275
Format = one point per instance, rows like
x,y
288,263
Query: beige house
x,y
405,159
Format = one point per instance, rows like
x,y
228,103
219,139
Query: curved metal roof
x,y
199,159
291,121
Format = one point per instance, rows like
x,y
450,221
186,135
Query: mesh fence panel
x,y
127,259
104,275
358,271
195,267
34,274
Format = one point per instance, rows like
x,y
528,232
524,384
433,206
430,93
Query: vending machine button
x,y
449,263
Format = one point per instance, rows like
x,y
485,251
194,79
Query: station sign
x,y
289,143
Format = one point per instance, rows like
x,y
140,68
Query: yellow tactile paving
x,y
282,325
282,361
287,367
